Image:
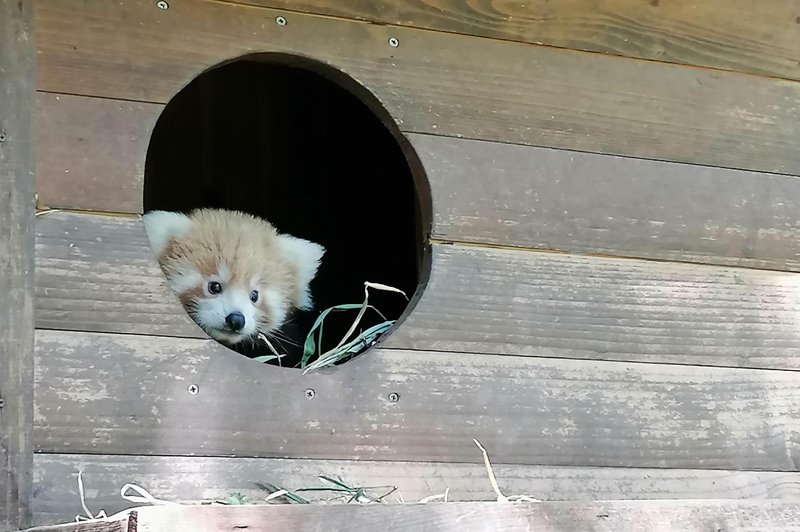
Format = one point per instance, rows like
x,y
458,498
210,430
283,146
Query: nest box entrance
x,y
310,150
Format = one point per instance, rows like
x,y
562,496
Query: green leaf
x,y
309,347
265,358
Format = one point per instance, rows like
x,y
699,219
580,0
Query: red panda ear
x,y
163,226
306,257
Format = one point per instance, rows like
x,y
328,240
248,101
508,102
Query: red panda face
x,y
233,273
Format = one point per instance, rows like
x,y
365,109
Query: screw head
x,y
3,136
2,402
280,21
393,42
193,389
310,394
394,397
162,5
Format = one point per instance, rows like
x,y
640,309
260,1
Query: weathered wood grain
x,y
606,516
528,303
17,64
483,192
438,83
92,151
117,523
197,479
537,197
718,33
96,274
92,279
126,394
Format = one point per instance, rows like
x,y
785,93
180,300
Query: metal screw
x,y
2,402
310,394
3,136
280,21
393,42
193,389
162,5
394,397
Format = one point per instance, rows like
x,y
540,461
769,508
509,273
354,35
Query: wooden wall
x,y
613,304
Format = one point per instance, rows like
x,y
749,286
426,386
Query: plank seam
x,y
401,462
508,247
378,459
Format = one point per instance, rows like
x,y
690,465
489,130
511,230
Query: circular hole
x,y
303,146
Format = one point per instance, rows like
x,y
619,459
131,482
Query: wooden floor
x,y
614,303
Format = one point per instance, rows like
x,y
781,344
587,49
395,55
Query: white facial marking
x,y
212,311
223,272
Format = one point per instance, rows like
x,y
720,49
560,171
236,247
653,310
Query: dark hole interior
x,y
290,145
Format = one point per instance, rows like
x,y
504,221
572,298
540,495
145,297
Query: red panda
x,y
234,273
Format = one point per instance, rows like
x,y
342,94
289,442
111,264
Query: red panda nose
x,y
235,321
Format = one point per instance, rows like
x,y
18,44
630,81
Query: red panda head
x,y
234,273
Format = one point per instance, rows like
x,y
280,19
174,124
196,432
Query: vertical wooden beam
x,y
17,64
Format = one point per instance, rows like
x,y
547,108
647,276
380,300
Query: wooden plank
x,y
93,152
537,197
606,516
95,274
17,63
92,279
202,479
126,394
118,523
483,192
721,34
438,83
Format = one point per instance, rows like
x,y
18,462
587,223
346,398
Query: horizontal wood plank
x,y
117,523
545,304
96,273
538,197
722,34
483,192
473,517
93,278
93,151
605,516
126,394
437,83
202,479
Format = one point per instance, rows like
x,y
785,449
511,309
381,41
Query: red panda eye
x,y
214,287
254,296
